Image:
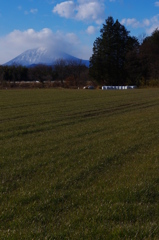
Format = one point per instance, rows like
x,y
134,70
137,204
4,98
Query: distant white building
x,y
117,87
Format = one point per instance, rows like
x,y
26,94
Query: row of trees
x,y
62,70
120,59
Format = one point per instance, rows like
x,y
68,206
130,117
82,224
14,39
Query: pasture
x,y
79,164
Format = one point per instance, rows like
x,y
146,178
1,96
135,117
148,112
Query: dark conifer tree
x,y
149,56
107,63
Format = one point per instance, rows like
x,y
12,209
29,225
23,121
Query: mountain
x,y
42,55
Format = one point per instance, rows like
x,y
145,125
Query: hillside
x,y
42,55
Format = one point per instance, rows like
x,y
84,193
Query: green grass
x,y
79,164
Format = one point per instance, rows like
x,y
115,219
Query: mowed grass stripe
x,y
79,164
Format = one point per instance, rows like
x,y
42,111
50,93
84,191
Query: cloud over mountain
x,y
18,41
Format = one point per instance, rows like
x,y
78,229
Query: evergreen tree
x,y
149,56
107,63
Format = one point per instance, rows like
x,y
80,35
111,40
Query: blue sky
x,y
72,26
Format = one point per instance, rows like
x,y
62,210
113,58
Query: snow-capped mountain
x,y
42,55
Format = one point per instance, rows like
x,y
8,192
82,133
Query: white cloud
x,y
146,22
91,30
19,8
154,23
130,22
65,9
18,41
72,38
149,25
156,4
88,10
34,10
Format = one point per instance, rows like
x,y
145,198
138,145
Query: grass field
x,y
79,164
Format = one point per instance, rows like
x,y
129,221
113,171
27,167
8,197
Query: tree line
x,y
69,71
117,59
120,59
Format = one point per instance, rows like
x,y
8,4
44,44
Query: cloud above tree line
x,y
148,24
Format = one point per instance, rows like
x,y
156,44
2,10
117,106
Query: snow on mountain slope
x,y
42,56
